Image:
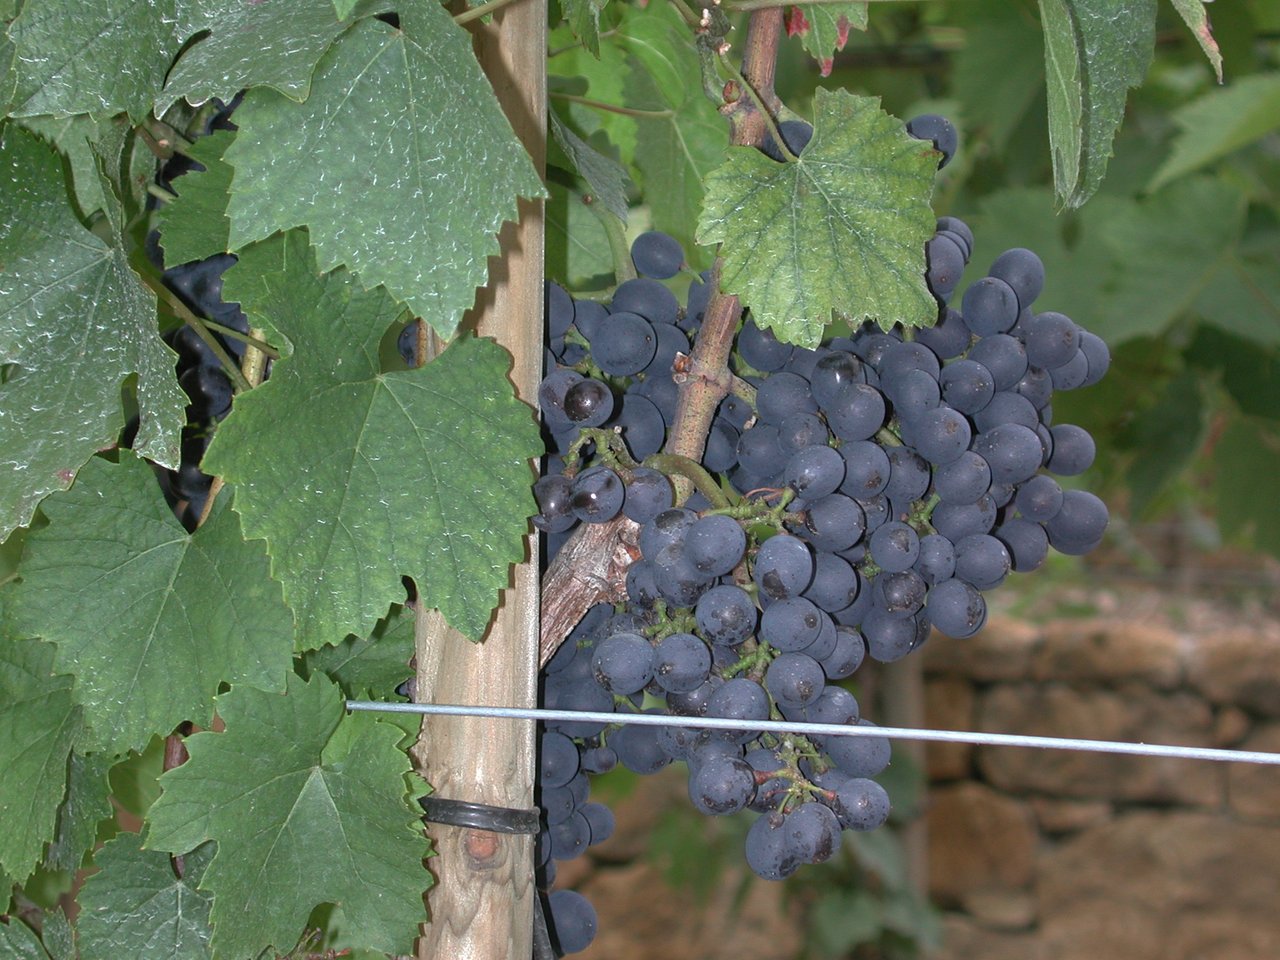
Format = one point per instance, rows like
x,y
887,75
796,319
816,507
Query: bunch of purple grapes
x,y
862,495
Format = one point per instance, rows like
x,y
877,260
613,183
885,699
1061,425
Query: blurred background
x,y
1169,633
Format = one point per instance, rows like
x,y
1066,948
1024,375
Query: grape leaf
x,y
577,251
1133,268
824,28
83,808
1095,50
76,321
685,138
1197,18
1166,437
369,667
841,229
996,101
1250,371
38,726
420,214
308,806
58,937
272,43
356,477
1219,123
195,225
606,81
19,942
604,176
73,137
136,906
1246,462
150,618
584,21
100,58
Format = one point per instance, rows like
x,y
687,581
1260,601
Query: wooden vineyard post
x,y
482,904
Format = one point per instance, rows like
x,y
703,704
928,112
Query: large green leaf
x,y
136,906
195,225
824,28
92,56
150,618
77,321
682,138
1221,122
369,667
1095,50
356,477
39,724
308,806
842,229
605,77
419,213
272,43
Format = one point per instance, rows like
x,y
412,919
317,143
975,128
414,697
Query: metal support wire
x,y
829,730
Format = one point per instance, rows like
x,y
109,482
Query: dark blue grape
x,y
657,254
939,131
648,298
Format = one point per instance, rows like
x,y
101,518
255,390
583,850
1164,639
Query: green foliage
x,y
370,175
824,28
603,175
137,906
841,230
63,402
194,225
1095,50
39,724
307,805
1219,123
85,805
402,467
148,617
100,58
369,668
288,42
400,216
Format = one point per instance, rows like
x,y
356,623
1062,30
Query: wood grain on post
x,y
482,904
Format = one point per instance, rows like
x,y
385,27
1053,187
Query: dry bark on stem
x,y
482,904
590,568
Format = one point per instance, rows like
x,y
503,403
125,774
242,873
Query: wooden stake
x,y
482,904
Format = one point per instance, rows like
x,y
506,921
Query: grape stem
x,y
254,368
613,107
673,464
886,437
198,324
623,268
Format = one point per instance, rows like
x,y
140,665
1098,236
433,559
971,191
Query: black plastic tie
x,y
481,816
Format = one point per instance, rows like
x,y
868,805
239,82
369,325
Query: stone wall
x,y
1051,855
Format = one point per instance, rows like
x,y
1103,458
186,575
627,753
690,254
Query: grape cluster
x,y
855,497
